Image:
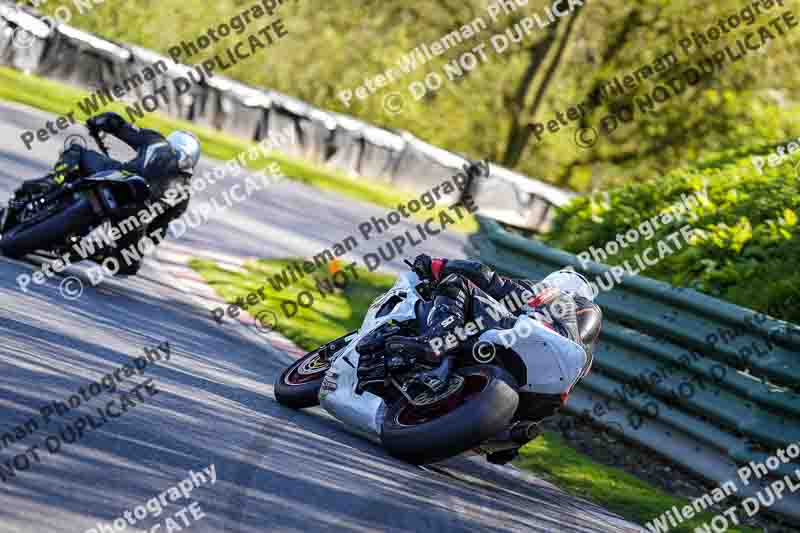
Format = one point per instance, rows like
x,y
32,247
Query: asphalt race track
x,y
276,469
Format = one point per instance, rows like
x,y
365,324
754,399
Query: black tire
x,y
298,386
50,231
480,415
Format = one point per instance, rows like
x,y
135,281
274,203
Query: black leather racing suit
x,y
155,161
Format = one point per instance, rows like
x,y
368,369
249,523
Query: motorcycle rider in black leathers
x,y
562,301
163,162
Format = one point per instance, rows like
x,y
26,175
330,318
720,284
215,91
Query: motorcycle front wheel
x,y
298,386
482,407
75,218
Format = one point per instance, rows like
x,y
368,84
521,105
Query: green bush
x,y
746,242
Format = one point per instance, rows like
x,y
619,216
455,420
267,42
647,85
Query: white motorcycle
x,y
358,382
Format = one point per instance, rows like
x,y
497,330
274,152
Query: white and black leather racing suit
x,y
462,293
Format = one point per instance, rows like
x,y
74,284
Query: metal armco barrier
x,y
339,141
708,384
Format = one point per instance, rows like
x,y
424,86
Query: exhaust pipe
x,y
524,431
517,435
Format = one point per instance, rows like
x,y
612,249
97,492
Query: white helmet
x,y
570,282
187,148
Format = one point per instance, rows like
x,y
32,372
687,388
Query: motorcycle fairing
x,y
554,363
404,310
135,189
338,396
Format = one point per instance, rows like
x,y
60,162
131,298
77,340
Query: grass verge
x,y
618,491
330,315
60,99
336,314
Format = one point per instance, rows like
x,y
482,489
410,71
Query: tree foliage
x,y
333,46
699,136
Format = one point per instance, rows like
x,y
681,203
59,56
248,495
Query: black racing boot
x,y
126,269
503,457
127,264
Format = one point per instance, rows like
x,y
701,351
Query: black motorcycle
x,y
53,221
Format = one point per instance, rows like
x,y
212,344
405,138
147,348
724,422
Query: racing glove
x,y
428,268
107,122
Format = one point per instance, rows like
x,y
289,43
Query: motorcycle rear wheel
x,y
482,408
53,230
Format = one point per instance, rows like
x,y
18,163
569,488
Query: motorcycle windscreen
x,y
554,363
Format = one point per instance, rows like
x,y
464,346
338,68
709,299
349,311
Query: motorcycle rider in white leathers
x,y
563,302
